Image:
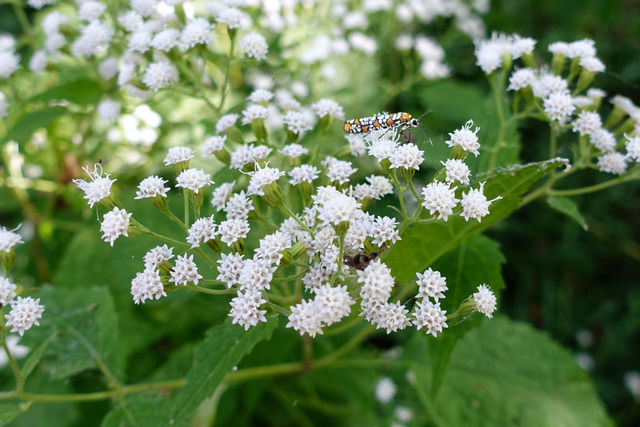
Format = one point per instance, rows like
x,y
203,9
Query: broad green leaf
x,y
81,92
35,356
85,326
507,373
221,351
10,411
31,122
455,100
423,244
569,208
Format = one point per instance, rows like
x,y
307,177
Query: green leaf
x,y
569,208
221,351
85,326
10,411
423,244
35,356
31,122
81,92
507,373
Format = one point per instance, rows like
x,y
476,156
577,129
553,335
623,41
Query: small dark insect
x,y
361,260
100,161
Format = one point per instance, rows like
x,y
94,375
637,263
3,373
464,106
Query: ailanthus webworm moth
x,y
384,121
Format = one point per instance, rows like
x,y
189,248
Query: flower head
x,y
152,186
160,74
245,308
475,204
185,271
430,316
24,313
255,46
98,188
115,224
197,31
178,154
465,138
193,179
225,122
147,285
7,291
431,284
485,301
8,239
439,198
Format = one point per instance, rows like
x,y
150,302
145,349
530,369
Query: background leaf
x,y
569,208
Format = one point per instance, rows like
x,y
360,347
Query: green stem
x,y
223,95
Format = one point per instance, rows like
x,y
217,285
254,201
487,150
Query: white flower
x,y
439,198
304,173
245,309
340,170
52,22
431,284
385,390
160,74
8,239
384,230
130,20
147,285
255,46
94,38
475,204
90,10
363,43
633,148
407,156
232,17
357,145
615,163
260,96
489,52
592,64
271,247
213,144
38,61
152,186
582,48
465,138
108,68
156,256
603,140
16,350
143,7
253,112
559,106
404,42
7,291
457,170
39,4
115,224
9,63
332,303
392,317
380,185
521,78
232,230
165,39
24,313
221,194
304,318
587,123
293,150
256,274
230,268
203,230
193,179
430,316
262,177
98,188
315,277
109,110
197,31
328,107
225,122
178,154
341,208
298,121
238,206
485,300
559,48
185,271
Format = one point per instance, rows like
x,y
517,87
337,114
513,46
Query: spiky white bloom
x,y
559,106
9,63
587,123
243,155
260,96
380,185
185,271
130,20
363,192
24,313
232,230
363,43
407,156
382,145
152,186
485,300
377,283
17,351
328,107
439,198
230,268
232,17
38,61
93,39
614,162
340,171
197,31
559,48
294,150
475,204
147,285
625,104
315,278
193,179
431,284
115,224
254,112
261,178
489,52
465,138
8,239
54,42
341,208
160,74
226,121
255,46
271,247
89,10
52,22
245,309
392,316
333,303
603,140
7,291
304,173
521,78
156,256
221,195
521,46
109,110
457,170
548,83
582,48
592,64
256,274
213,144
385,390
298,121
357,145
384,230
430,316
304,318
633,148
144,8
166,39
179,154
201,231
